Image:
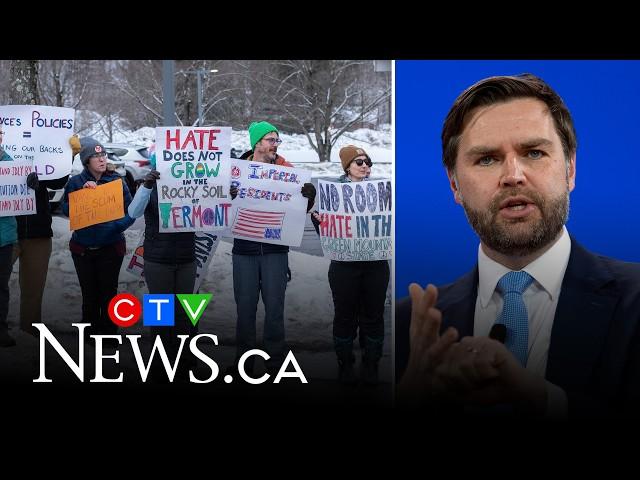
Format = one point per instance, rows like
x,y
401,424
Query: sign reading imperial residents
x,y
269,207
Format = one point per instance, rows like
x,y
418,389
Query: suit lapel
x,y
583,316
457,302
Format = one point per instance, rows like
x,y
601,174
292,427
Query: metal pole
x,y
168,98
199,72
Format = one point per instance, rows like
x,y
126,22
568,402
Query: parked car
x,y
114,164
136,158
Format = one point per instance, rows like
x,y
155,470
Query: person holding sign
x,y
97,249
262,267
359,290
169,265
34,247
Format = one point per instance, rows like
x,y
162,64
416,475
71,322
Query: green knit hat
x,y
257,130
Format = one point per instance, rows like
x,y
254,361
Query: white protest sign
x,y
15,197
39,134
356,220
205,248
193,189
269,207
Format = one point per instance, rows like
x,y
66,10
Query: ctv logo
x,y
157,309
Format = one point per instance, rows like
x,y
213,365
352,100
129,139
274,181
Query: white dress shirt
x,y
541,300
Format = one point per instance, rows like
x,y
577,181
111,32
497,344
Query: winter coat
x,y
105,233
38,225
172,248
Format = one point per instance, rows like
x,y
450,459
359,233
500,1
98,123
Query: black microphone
x,y
498,332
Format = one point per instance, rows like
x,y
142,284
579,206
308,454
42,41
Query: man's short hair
x,y
502,89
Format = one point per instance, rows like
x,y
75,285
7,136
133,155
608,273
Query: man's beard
x,y
272,155
504,235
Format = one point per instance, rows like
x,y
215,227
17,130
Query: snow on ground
x,y
308,310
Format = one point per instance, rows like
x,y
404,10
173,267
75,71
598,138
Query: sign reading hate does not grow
x,y
193,189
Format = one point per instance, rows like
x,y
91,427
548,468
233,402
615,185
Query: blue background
x,y
434,242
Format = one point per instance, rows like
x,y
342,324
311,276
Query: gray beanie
x,y
89,146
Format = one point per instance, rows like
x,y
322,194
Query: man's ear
x,y
571,172
453,184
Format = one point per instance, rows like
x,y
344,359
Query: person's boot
x,y
6,340
30,329
346,360
370,359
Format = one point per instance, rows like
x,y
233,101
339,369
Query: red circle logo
x,y
235,172
125,310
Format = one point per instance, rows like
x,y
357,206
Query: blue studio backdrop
x,y
434,243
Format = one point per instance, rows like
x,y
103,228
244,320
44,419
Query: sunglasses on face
x,y
360,161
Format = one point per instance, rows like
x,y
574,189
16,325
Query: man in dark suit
x,y
540,326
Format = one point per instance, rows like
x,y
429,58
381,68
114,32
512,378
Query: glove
x,y
150,178
309,191
74,141
233,191
32,181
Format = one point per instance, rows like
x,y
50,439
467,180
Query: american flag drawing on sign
x,y
257,224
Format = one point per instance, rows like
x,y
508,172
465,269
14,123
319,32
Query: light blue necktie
x,y
514,313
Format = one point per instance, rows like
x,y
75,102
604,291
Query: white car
x,y
114,164
136,161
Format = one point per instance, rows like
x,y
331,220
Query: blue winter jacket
x,y
101,234
8,225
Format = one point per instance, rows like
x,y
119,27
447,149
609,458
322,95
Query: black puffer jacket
x,y
39,224
171,248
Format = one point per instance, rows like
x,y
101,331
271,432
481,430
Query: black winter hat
x,y
90,146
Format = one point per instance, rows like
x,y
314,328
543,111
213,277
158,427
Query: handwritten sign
x,y
15,197
193,189
206,245
90,206
269,207
39,134
356,220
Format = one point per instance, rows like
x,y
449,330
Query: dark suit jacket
x,y
594,353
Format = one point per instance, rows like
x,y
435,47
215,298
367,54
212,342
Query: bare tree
x,y
321,98
23,82
64,83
